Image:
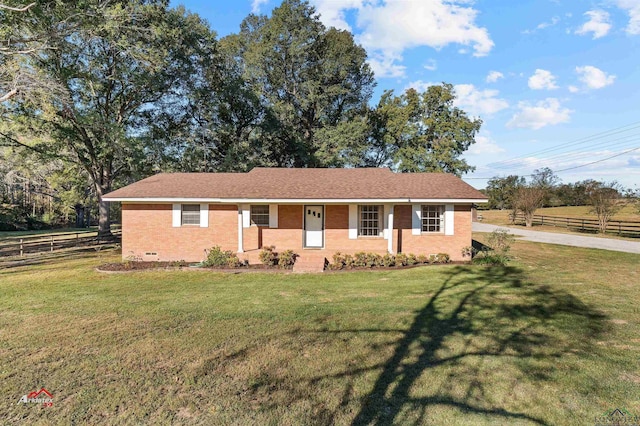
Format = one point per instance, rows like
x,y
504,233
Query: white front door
x,y
314,226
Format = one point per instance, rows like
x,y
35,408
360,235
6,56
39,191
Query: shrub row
x,y
375,260
270,257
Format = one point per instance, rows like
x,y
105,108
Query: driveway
x,y
564,239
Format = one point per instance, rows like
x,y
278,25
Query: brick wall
x,y
147,228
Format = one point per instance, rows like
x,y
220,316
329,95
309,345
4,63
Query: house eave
x,y
147,200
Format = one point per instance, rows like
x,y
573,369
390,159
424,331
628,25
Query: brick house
x,y
315,212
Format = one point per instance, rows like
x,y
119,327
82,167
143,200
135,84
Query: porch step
x,y
309,263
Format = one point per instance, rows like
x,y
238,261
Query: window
x,y
369,221
432,218
191,214
260,215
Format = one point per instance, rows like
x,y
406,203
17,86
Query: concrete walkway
x,y
564,239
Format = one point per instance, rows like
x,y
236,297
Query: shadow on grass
x,y
476,316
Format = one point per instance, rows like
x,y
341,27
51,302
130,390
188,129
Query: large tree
x,y
311,81
421,132
502,190
124,74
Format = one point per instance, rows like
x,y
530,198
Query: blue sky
x,y
556,82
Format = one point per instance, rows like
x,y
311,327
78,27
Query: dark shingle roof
x,y
287,183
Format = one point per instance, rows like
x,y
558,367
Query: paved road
x,y
564,239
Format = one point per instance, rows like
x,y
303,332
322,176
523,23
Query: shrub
x,y
412,259
401,259
286,259
349,261
468,251
422,259
497,251
441,258
388,260
216,257
360,259
268,256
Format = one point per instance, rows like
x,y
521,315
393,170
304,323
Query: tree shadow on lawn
x,y
477,317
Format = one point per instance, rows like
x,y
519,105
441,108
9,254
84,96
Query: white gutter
x,y
294,200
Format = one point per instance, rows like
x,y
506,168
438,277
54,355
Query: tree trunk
x,y
104,224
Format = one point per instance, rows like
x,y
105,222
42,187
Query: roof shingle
x,y
288,183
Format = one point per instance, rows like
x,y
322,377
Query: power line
x,y
568,168
587,139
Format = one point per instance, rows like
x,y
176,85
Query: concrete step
x,y
309,263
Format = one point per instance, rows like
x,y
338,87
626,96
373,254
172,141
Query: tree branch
x,y
17,9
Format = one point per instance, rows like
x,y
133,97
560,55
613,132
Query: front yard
x,y
552,339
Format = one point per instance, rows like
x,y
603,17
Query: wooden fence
x,y
48,243
619,227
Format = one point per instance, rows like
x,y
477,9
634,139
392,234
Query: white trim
x,y
177,215
416,219
204,215
246,215
273,215
385,231
448,219
353,221
240,242
308,201
390,231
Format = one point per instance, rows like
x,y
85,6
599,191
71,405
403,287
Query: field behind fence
x,y
625,228
13,248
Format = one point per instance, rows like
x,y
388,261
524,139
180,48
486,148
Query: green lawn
x,y
552,339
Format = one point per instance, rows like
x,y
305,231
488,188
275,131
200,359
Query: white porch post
x,y
390,230
240,245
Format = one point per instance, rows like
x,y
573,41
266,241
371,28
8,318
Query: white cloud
x,y
255,5
420,86
474,101
543,25
542,113
542,79
387,29
478,102
594,78
598,24
386,66
484,145
431,65
573,89
332,12
494,76
633,9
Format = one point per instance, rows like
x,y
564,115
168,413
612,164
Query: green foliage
x,y
422,132
218,258
286,259
496,252
502,191
268,256
441,258
388,260
402,259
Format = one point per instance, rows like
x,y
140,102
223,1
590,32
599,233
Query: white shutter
x,y
177,215
246,216
204,215
353,222
448,219
273,215
416,219
387,209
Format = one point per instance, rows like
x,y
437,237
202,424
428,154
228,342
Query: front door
x,y
314,226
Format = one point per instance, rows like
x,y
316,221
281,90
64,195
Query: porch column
x,y
390,230
240,246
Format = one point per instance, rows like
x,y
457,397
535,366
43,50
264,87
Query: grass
x,y
551,339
